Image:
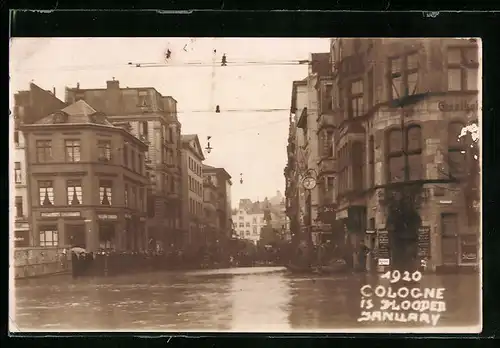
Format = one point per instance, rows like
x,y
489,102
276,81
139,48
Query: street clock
x,y
309,183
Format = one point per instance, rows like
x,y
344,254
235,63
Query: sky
x,y
247,138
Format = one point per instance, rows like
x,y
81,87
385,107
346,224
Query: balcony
x,y
326,165
326,120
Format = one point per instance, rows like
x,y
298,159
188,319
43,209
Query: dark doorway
x,y
75,236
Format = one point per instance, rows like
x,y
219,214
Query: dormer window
x,y
143,98
59,117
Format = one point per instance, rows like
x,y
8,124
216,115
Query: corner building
x,y
368,76
153,118
87,181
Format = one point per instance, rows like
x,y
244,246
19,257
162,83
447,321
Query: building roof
x,y
76,113
186,140
208,168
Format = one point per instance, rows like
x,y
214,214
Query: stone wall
x,y
40,261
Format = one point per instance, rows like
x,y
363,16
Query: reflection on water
x,y
243,299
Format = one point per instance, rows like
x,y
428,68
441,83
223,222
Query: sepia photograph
x,y
213,184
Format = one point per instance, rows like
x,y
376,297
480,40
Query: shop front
x,y
353,222
59,228
107,226
22,235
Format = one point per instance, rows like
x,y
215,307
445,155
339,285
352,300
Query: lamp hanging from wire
x,y
208,148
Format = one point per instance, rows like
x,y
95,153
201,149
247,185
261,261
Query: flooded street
x,y
238,299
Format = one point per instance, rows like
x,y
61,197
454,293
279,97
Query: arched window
x,y
456,150
395,160
414,152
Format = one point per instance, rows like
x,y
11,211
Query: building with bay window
x,y
381,144
87,181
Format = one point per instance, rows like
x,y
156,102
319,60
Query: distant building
x,y
192,189
29,106
222,181
210,205
248,224
86,190
153,118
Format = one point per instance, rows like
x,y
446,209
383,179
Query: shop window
x,y
49,236
106,235
74,192
72,150
105,192
43,151
46,193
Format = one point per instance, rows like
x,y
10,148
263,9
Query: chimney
x,y
53,90
78,85
114,84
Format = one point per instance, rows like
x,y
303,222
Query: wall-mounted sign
x,y
424,241
383,244
21,239
22,225
384,262
61,214
107,217
128,216
342,215
370,231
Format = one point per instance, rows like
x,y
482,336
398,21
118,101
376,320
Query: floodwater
x,y
237,299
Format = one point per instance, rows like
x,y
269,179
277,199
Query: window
x,y
132,159
395,156
171,135
17,173
463,67
43,150
105,192
370,89
74,192
247,224
356,99
247,233
328,144
125,156
255,230
125,192
254,220
357,165
72,150
141,199
144,131
49,236
104,150
327,98
16,138
46,193
143,98
19,206
241,218
329,183
371,160
403,75
133,197
242,224
456,150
